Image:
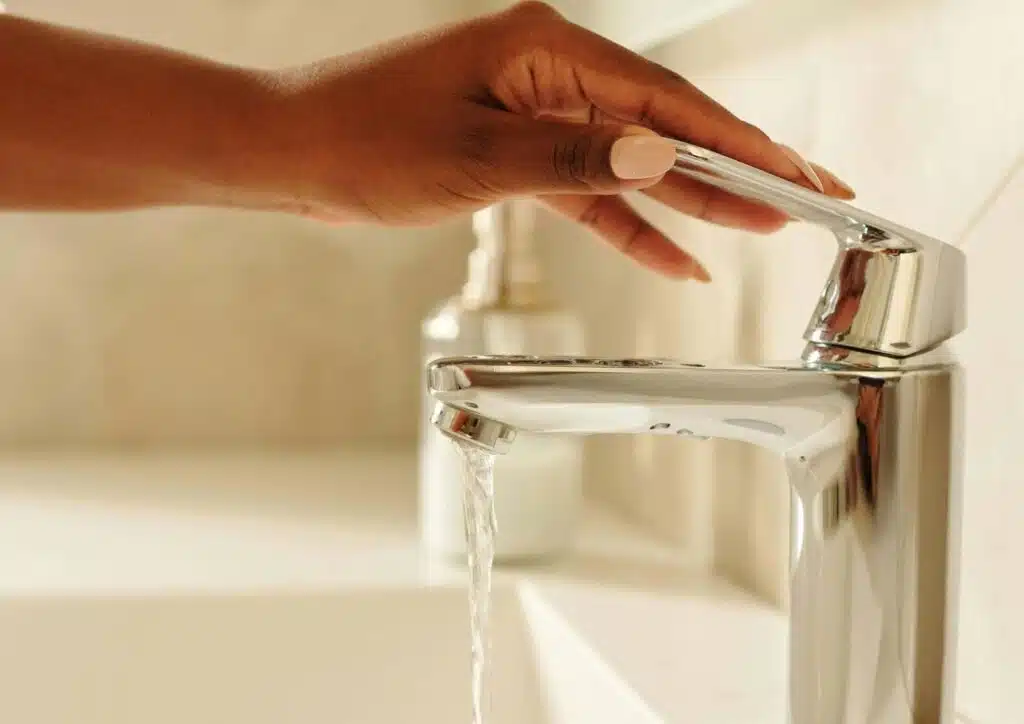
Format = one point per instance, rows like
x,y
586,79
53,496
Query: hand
x,y
519,103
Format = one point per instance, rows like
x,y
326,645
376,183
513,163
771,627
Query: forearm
x,y
89,122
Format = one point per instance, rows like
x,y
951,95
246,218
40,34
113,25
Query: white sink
x,y
368,657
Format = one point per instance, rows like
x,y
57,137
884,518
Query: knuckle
x,y
755,131
668,75
477,144
535,10
528,25
592,215
647,115
632,234
604,217
477,161
572,159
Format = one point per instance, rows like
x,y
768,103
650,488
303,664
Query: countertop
x,y
693,646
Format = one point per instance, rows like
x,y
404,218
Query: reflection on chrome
x,y
868,423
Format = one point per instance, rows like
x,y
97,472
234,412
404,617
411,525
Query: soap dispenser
x,y
504,309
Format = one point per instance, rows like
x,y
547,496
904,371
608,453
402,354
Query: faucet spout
x,y
872,449
468,427
782,408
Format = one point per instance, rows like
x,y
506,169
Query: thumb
x,y
532,156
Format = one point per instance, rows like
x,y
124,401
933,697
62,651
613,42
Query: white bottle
x,y
503,309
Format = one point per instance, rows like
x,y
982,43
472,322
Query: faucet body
x,y
873,457
868,423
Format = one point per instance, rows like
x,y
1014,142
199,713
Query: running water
x,y
478,507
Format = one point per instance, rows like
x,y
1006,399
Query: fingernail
x,y
689,270
699,273
805,168
642,156
840,184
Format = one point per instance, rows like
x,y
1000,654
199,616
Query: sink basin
x,y
371,656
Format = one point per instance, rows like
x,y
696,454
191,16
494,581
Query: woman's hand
x,y
519,103
516,104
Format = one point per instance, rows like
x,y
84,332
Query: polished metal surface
x,y
891,290
868,422
473,429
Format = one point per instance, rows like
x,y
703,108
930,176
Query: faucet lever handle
x,y
891,291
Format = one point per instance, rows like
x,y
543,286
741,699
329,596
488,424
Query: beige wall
x,y
200,326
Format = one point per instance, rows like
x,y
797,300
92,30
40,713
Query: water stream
x,y
481,527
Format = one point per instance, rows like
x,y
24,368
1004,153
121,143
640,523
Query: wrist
x,y
295,157
256,159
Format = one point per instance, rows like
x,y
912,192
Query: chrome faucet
x,y
868,422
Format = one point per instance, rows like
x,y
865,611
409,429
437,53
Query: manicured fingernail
x,y
699,273
642,156
840,184
805,168
688,270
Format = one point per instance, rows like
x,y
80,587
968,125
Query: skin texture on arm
x,y
515,104
92,122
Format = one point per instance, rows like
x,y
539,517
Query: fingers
x,y
822,180
834,186
626,86
711,204
716,206
612,218
524,156
516,155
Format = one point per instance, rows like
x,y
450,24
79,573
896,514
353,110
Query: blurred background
x,y
198,328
